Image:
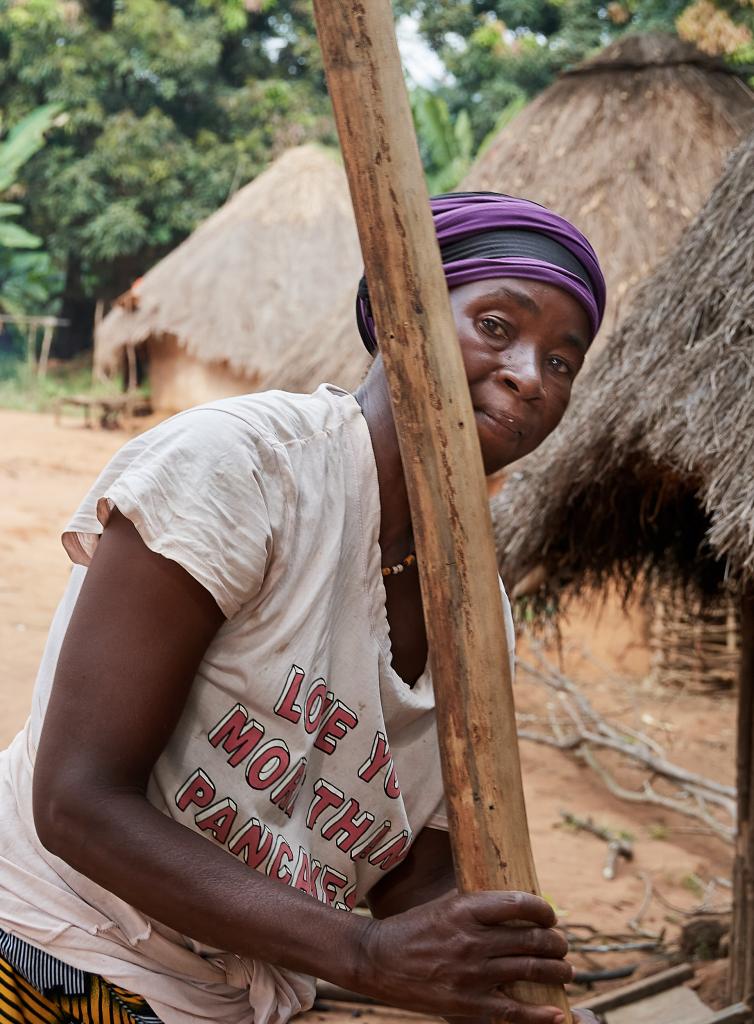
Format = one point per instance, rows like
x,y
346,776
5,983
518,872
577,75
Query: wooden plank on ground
x,y
742,937
342,1011
324,1012
673,1006
737,1014
637,990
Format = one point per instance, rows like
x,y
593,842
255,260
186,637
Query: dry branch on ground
x,y
581,729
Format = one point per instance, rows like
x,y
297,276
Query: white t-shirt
x,y
300,751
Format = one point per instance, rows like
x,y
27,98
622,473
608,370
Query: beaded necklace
x,y
393,570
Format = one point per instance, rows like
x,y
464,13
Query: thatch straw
x,y
628,146
330,351
251,281
653,466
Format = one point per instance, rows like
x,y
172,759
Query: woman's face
x,y
523,342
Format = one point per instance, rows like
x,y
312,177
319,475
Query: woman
x,y
239,682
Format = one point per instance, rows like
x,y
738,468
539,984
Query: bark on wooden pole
x,y
742,945
440,452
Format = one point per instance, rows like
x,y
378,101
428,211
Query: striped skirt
x,y
35,988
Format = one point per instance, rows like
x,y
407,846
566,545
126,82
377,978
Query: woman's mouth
x,y
502,422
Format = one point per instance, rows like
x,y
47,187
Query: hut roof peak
x,y
639,50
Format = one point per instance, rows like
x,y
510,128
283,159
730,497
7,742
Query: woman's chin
x,y
499,446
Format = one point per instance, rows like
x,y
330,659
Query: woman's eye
x,y
491,325
560,365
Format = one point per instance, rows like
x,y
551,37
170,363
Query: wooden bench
x,y
662,999
111,411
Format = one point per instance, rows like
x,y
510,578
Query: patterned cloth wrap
x,y
35,988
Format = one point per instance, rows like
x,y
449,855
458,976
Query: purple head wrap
x,y
486,235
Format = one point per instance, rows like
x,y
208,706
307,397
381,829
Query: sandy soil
x,y
46,469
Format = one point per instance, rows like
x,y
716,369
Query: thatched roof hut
x,y
628,145
222,312
652,471
653,465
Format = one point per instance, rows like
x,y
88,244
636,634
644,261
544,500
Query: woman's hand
x,y
450,956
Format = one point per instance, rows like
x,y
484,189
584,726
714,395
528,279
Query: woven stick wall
x,y
694,645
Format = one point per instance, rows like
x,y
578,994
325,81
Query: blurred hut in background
x,y
628,145
256,283
651,474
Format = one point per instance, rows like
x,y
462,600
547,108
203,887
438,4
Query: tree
x,y
721,27
26,277
446,145
500,52
171,106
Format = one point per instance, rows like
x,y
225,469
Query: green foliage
x,y
13,236
23,141
170,106
499,54
692,883
28,281
446,144
20,388
24,276
232,13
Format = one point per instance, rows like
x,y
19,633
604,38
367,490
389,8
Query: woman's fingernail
x,y
559,1018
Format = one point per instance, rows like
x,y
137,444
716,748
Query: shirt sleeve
x,y
203,489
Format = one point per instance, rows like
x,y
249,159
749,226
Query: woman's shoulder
x,y
282,417
217,461
254,428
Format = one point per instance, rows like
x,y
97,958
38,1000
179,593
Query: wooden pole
x,y
44,357
742,945
31,349
131,373
99,314
440,452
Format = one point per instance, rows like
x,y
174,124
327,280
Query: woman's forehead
x,y
538,298
509,289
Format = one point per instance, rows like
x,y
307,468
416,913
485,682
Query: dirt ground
x,y
46,469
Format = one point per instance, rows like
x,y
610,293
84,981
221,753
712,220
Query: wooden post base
x,y
742,945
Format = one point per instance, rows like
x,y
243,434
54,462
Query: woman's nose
x,y
520,372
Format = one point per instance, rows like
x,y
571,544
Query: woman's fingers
x,y
540,970
510,940
491,908
519,1013
502,1007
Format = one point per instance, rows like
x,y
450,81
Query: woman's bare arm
x,y
137,635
